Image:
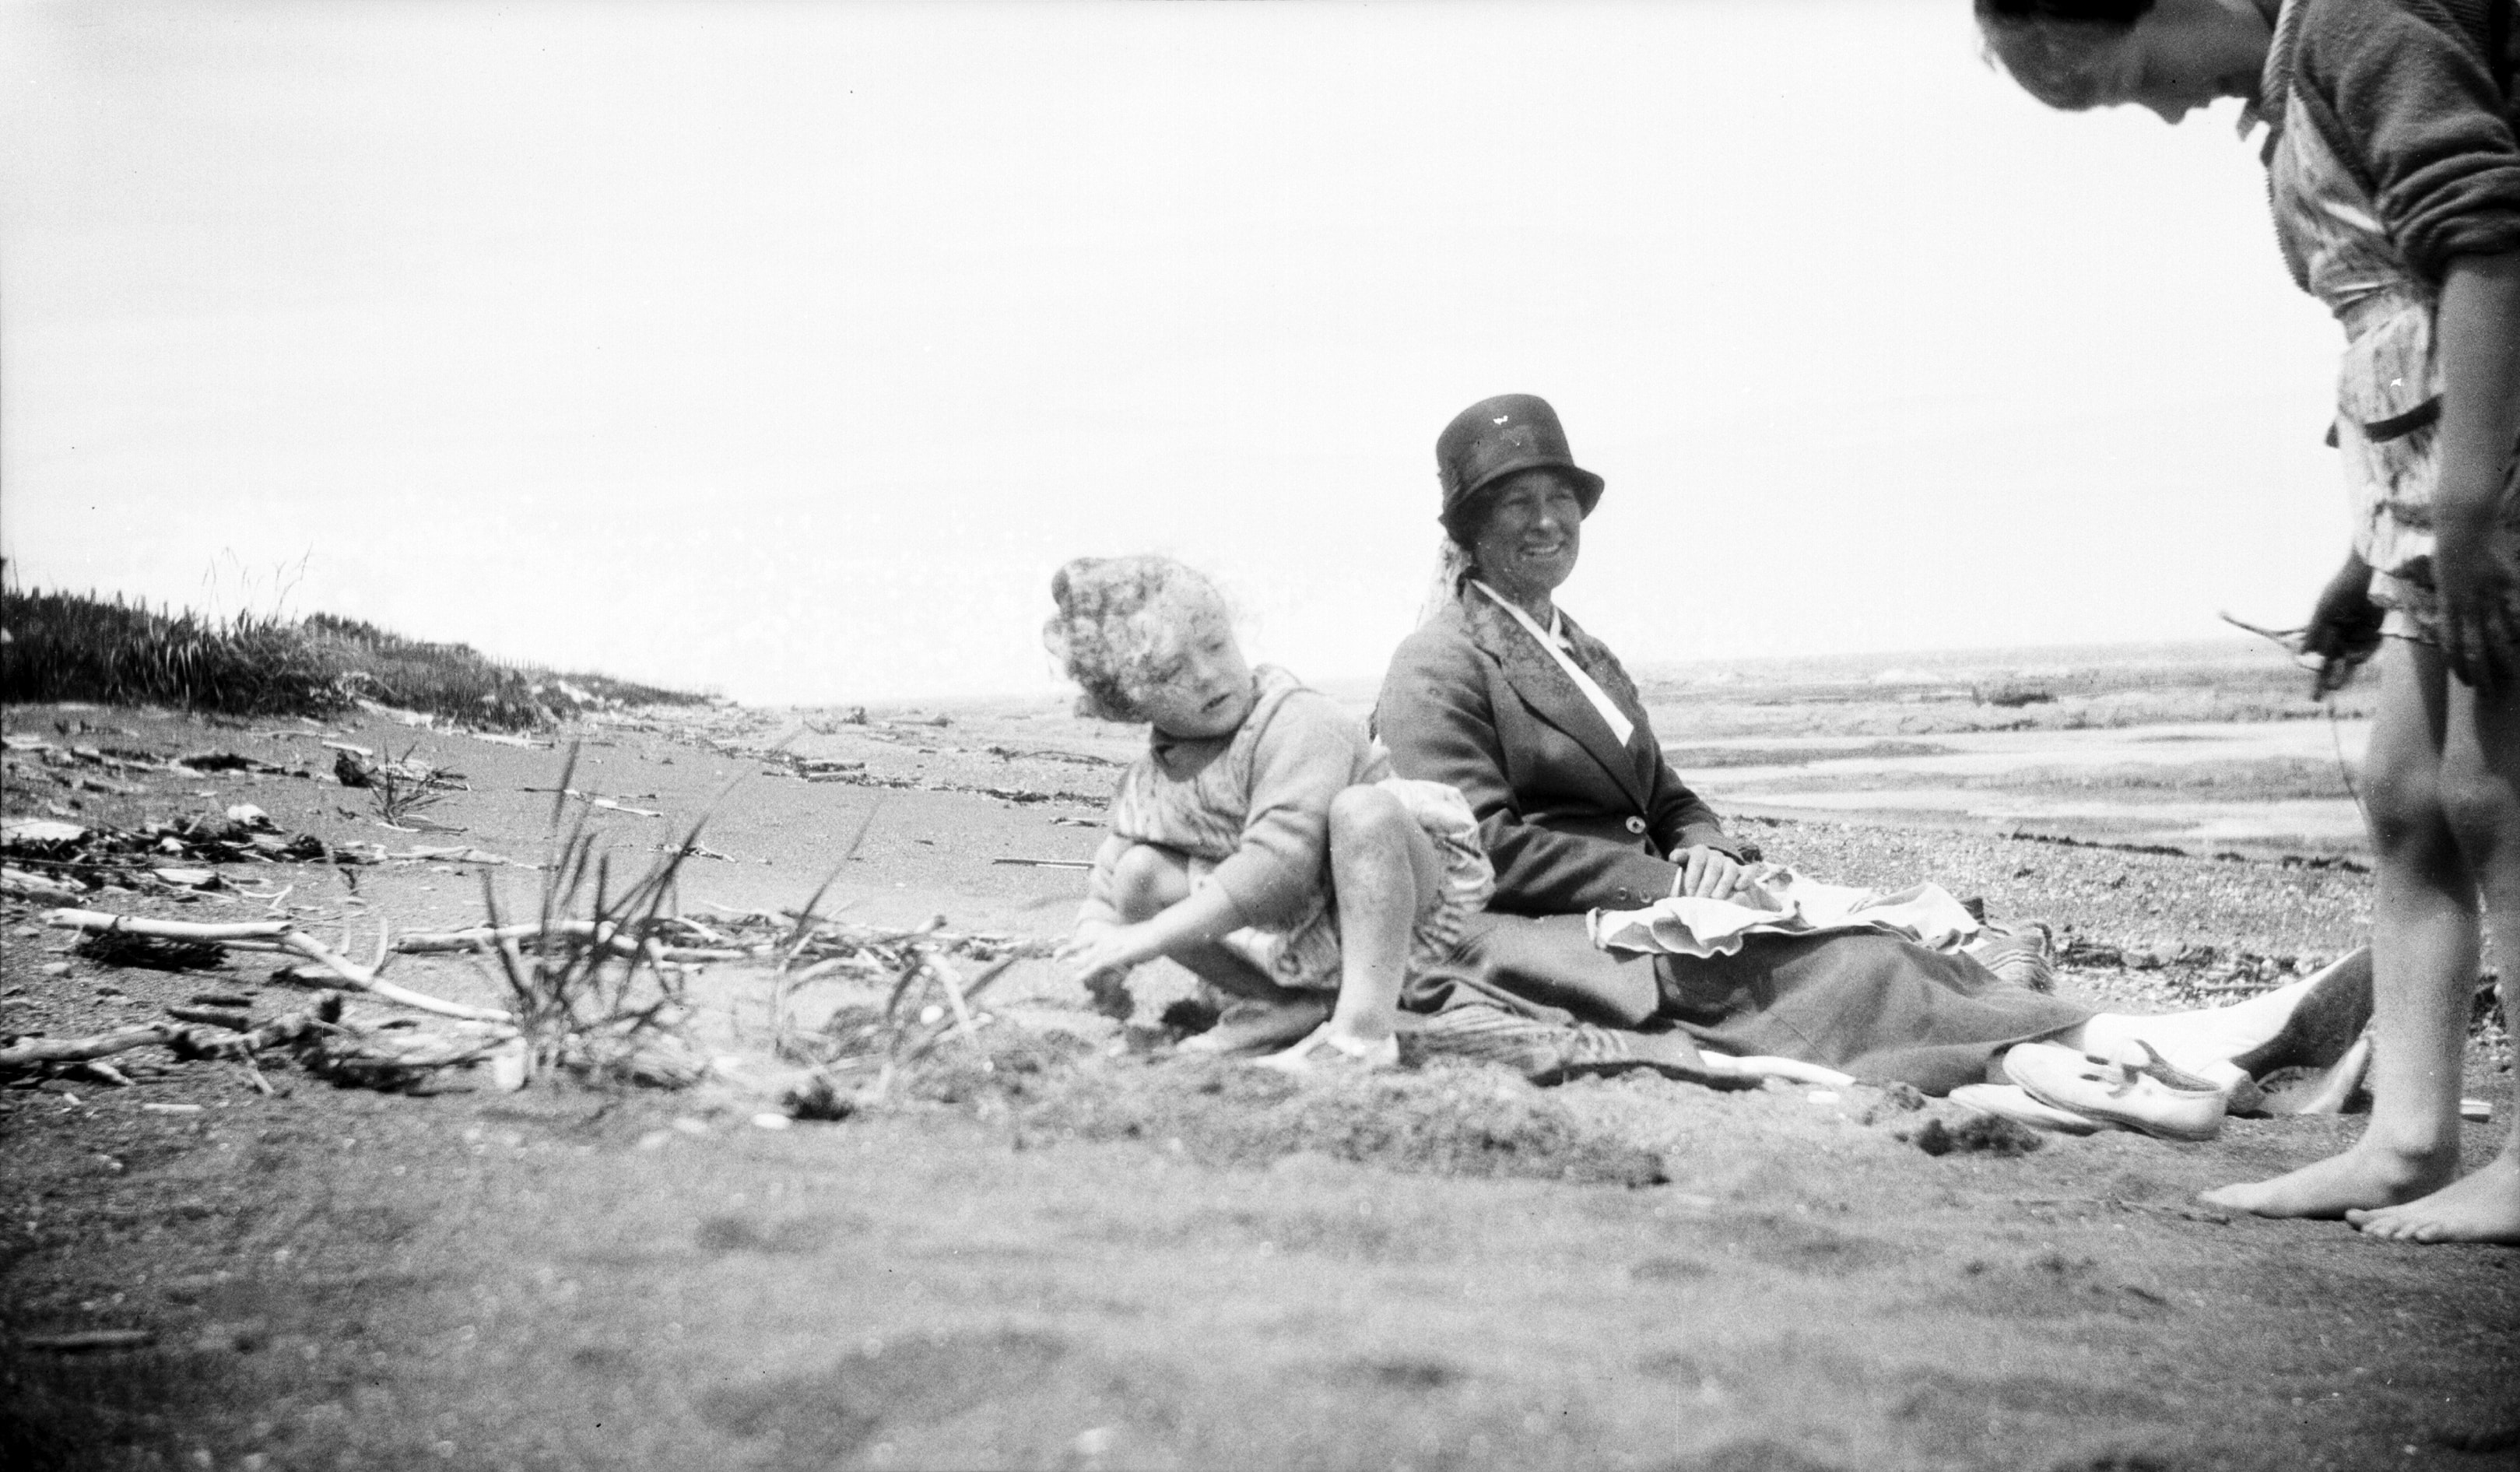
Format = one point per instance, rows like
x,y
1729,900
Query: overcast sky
x,y
787,348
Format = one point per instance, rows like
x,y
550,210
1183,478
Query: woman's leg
x,y
1386,873
2203,1040
2481,793
2423,954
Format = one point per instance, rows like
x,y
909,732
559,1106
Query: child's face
x,y
1202,687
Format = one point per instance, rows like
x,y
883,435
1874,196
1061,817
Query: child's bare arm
x,y
1105,945
2480,426
1102,899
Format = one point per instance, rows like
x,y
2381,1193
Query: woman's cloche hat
x,y
1495,438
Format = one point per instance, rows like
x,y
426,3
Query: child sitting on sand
x,y
1261,840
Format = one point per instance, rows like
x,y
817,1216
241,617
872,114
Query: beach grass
x,y
84,647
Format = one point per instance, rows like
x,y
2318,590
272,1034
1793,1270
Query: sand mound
x,y
1443,1122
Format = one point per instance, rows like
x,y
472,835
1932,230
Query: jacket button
x,y
1637,826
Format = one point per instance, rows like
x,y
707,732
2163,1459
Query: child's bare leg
x,y
2423,955
1386,873
1150,880
2481,790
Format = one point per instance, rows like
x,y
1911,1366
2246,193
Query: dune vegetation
x,y
83,647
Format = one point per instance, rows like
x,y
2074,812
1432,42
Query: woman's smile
x,y
1530,537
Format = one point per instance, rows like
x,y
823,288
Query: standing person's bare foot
x,y
2366,1176
2484,1207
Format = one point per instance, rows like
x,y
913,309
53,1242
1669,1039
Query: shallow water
x,y
2047,798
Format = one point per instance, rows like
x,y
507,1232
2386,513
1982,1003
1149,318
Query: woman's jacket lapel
x,y
1535,676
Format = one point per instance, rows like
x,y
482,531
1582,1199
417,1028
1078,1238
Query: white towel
x,y
1782,902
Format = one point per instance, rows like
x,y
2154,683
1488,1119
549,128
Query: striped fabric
x,y
1542,1051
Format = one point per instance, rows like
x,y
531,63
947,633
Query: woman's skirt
x,y
1874,1006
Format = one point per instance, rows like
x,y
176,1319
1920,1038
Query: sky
x,y
785,350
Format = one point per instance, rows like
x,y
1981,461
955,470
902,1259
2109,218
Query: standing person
x,y
2395,176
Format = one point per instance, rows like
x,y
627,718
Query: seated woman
x,y
1501,695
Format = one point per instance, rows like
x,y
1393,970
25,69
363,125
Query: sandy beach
x,y
1058,1253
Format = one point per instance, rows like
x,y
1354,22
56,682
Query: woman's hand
x,y
1707,874
1101,948
2479,605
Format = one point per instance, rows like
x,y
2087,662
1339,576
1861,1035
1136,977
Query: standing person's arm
x,y
2412,100
2480,433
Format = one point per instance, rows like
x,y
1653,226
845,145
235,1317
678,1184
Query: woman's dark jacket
x,y
1572,820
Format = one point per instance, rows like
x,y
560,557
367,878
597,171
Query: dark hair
x,y
1116,615
2118,15
2050,47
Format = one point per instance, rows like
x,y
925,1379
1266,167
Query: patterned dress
x,y
2389,389
1202,810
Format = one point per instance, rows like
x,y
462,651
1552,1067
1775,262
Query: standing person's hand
x,y
2480,598
1707,873
2343,626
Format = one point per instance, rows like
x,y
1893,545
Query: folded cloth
x,y
1782,902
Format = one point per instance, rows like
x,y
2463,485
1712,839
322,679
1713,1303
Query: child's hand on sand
x,y
1102,948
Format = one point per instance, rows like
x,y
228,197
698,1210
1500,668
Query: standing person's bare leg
x,y
2424,955
2482,788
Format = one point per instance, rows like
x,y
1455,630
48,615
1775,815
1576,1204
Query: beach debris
x,y
1047,863
608,805
402,788
199,763
928,1002
274,934
603,935
460,853
98,855
89,1341
123,948
185,1039
17,884
1969,1131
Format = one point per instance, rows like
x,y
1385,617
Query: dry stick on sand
x,y
187,1039
608,805
275,935
604,933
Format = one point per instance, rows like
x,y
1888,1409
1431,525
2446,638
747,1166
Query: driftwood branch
x,y
187,1039
279,934
612,938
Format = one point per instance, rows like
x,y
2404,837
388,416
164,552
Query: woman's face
x,y
1533,532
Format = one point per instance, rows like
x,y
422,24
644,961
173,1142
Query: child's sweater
x,y
1255,803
